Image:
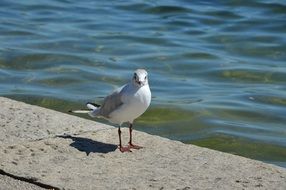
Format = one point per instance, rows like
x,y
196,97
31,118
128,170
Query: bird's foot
x,y
124,149
133,146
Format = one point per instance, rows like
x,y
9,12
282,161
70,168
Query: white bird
x,y
125,104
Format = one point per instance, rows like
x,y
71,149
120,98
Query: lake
x,y
217,69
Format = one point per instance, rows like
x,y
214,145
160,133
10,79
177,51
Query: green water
x,y
217,69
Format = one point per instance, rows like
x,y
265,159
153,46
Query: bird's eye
x,y
145,77
134,76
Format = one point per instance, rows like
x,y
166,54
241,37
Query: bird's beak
x,y
140,83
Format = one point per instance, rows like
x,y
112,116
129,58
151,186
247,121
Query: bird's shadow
x,y
87,145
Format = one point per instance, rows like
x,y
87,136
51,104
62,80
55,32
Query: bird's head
x,y
140,77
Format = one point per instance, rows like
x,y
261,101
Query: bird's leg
x,y
121,148
131,145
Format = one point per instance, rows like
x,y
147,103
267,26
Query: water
x,y
217,68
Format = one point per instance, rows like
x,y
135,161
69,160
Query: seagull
x,y
124,105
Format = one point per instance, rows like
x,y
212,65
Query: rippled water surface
x,y
217,68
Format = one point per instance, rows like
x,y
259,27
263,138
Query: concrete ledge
x,y
66,152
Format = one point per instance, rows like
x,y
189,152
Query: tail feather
x,y
81,111
92,109
92,106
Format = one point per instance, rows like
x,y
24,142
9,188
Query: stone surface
x,y
20,122
86,157
8,183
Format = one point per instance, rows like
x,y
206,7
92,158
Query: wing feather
x,y
111,103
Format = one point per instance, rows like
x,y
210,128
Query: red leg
x,y
131,145
121,148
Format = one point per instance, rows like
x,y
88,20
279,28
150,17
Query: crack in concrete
x,y
29,180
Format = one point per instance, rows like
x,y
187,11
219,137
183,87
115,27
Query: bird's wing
x,y
111,102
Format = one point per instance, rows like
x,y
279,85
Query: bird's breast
x,y
139,99
135,103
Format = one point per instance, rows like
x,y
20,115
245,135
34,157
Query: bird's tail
x,y
80,111
92,110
